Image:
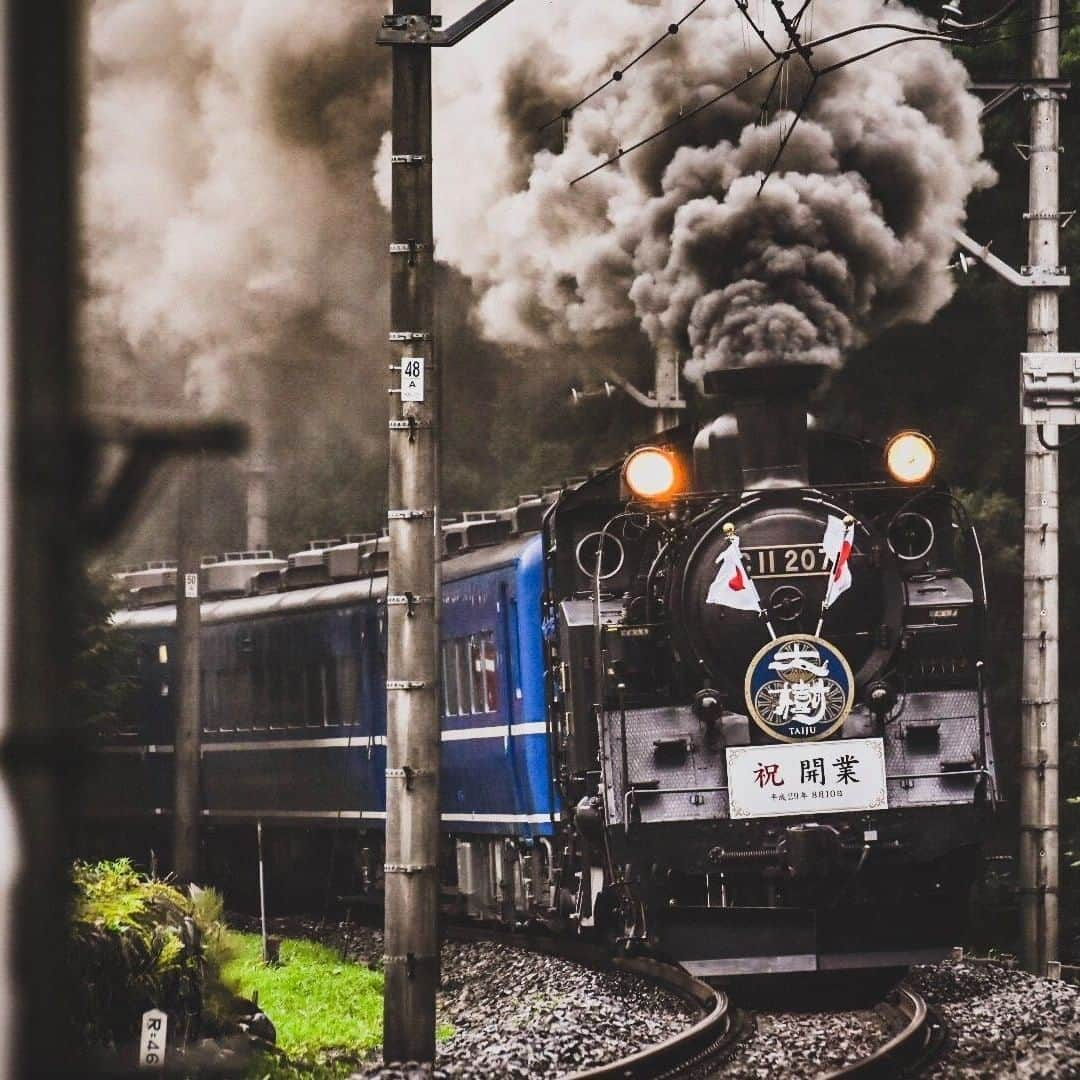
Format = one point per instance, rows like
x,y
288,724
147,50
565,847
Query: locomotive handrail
x,y
937,775
631,794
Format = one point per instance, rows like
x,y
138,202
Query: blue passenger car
x,y
294,710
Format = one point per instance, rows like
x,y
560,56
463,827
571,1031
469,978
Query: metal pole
x,y
412,710
258,462
1039,695
262,893
42,51
187,801
668,401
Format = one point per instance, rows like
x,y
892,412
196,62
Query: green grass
x,y
320,1004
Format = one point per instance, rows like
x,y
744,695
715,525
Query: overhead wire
x,y
781,56
744,8
1062,21
920,34
682,118
618,74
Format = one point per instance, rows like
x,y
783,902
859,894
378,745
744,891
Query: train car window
x,y
329,695
260,716
219,710
275,696
482,662
237,698
294,697
466,704
315,709
491,673
449,676
347,683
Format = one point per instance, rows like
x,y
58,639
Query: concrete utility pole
x,y
257,467
412,617
668,401
188,734
1039,755
413,590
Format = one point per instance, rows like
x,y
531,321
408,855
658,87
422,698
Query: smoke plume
x,y
232,230
850,235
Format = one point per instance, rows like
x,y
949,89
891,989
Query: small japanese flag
x,y
732,587
839,537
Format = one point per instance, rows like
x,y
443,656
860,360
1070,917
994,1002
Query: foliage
x,y
103,676
140,943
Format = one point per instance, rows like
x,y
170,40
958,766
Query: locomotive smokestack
x,y
770,404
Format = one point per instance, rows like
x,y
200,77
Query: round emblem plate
x,y
799,688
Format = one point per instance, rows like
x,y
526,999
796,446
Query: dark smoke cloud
x,y
851,235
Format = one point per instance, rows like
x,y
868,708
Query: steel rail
x,y
917,1042
718,1025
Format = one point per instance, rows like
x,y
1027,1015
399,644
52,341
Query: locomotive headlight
x,y
651,473
910,457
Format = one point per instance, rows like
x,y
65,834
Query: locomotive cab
x,y
766,691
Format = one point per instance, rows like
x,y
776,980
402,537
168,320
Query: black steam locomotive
x,y
766,653
723,700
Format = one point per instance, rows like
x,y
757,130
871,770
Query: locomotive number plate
x,y
791,560
806,778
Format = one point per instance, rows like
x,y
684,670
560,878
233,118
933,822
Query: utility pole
x,y
257,469
1039,754
188,733
411,875
1049,393
668,400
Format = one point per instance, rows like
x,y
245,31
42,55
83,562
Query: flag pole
x,y
729,532
826,601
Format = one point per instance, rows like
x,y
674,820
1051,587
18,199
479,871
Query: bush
x,y
140,943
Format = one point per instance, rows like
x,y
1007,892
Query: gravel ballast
x,y
797,1044
1001,1022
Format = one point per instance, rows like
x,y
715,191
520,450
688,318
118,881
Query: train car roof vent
x,y
358,558
265,582
477,529
150,584
527,515
234,574
307,569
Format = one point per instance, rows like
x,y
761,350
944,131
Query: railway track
x,y
707,1040
700,1050
919,1038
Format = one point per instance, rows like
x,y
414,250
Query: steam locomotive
x,y
723,700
